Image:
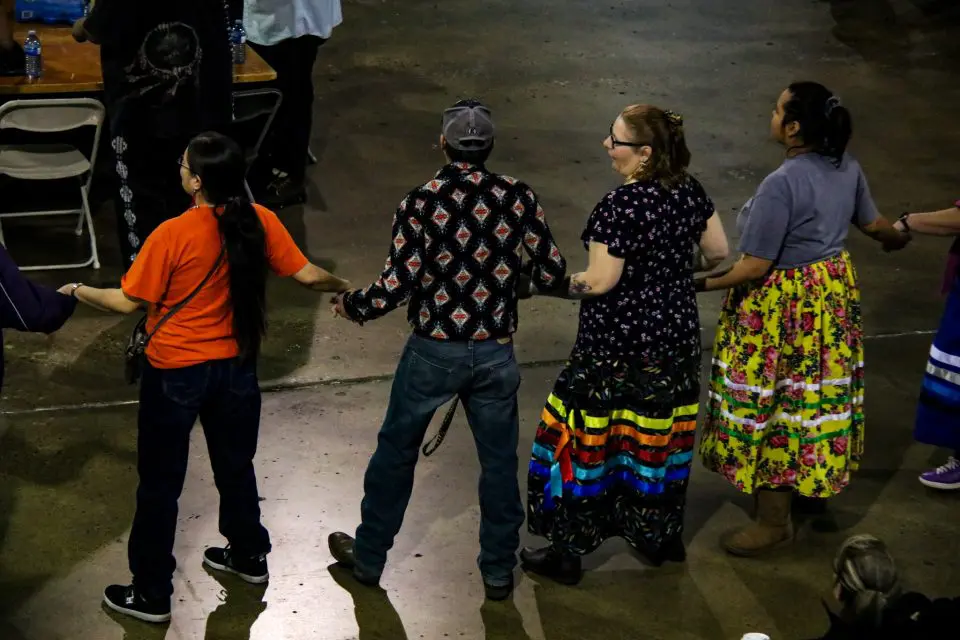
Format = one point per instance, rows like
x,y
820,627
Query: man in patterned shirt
x,y
455,257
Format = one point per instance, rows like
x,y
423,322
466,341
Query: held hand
x,y
896,242
66,289
337,308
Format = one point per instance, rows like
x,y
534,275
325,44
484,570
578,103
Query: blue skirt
x,y
938,412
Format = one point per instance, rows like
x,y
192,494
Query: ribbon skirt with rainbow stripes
x,y
617,467
786,388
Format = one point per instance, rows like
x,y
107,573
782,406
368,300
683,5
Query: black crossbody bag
x,y
139,339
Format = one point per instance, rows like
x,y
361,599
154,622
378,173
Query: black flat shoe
x,y
341,548
671,552
550,563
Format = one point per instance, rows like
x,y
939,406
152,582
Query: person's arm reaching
x,y
287,260
319,279
112,300
761,242
609,235
400,274
944,222
870,221
713,247
548,266
97,24
26,306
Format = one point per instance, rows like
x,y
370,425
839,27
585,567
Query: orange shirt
x,y
170,265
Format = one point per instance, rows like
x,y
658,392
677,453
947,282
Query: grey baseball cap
x,y
468,126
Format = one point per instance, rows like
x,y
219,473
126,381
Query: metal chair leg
x,y
86,216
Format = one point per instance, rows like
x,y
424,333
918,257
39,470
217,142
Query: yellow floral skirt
x,y
786,386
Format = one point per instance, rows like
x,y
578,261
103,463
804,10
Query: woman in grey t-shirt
x,y
786,393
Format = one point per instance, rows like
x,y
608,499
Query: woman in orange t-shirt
x,y
201,363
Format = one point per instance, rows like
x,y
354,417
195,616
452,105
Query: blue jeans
x,y
430,373
225,395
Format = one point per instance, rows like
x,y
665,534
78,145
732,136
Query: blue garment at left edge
x,y
938,412
26,306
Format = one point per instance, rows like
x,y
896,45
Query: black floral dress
x,y
614,446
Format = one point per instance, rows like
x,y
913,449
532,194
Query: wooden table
x,y
73,67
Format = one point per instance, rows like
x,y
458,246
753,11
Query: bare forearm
x,y
330,284
318,279
111,300
745,270
578,286
945,222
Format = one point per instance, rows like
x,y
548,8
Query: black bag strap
x,y
180,305
437,440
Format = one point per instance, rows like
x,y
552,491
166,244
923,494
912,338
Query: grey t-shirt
x,y
802,212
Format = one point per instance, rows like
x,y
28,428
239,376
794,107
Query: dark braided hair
x,y
219,163
825,124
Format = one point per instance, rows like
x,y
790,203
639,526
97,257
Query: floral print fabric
x,y
786,388
653,307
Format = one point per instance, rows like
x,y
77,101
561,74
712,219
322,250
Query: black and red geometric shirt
x,y
455,255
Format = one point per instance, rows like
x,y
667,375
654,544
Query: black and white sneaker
x,y
250,569
127,600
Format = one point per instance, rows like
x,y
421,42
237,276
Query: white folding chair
x,y
53,161
248,106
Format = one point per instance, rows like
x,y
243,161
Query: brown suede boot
x,y
772,527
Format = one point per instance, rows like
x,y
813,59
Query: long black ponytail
x,y
825,124
219,163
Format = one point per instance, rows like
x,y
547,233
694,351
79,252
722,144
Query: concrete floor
x,y
555,74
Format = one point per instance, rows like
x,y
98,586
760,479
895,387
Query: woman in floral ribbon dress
x,y
786,387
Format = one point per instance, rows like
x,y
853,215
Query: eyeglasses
x,y
183,165
621,143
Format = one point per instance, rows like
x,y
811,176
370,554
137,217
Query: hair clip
x,y
673,118
832,103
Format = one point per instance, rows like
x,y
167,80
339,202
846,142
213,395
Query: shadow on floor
x,y
377,619
58,475
874,29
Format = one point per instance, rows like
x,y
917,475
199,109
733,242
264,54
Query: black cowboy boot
x,y
552,563
341,548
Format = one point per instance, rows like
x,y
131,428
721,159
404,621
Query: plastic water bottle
x,y
33,51
238,42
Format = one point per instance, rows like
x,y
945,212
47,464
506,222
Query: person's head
x,y
648,143
467,132
808,116
866,579
213,170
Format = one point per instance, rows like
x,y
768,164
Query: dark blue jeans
x,y
225,395
430,373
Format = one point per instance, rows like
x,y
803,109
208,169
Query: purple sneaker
x,y
945,477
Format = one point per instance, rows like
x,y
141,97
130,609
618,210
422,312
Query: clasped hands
x,y
338,309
